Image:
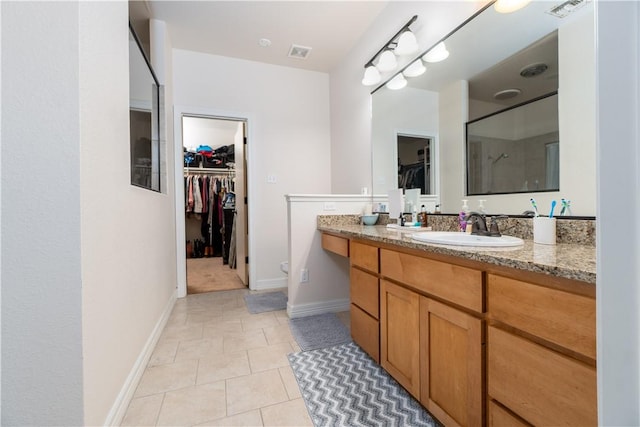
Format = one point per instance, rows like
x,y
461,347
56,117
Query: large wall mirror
x,y
144,117
500,62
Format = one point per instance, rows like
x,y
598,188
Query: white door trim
x,y
178,112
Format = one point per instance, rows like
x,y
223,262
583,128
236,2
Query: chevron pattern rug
x,y
343,386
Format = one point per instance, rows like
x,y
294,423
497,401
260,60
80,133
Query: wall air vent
x,y
299,52
564,9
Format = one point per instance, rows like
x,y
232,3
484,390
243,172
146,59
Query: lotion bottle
x,y
462,218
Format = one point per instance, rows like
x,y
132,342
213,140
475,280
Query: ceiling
x,y
234,28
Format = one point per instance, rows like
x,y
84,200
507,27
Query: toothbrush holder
x,y
544,230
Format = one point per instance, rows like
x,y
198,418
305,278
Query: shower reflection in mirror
x,y
515,150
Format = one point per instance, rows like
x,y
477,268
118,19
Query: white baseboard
x,y
332,306
119,408
269,284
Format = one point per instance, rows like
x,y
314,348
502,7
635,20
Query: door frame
x,y
435,154
181,259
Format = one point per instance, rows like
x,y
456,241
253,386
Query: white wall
x,y
577,111
288,138
328,286
128,235
350,100
198,131
41,271
89,273
618,190
453,113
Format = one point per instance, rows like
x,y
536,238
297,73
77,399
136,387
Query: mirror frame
x,y
155,171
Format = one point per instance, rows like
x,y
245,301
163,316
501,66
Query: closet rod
x,y
222,172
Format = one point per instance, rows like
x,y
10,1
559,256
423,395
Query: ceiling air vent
x,y
566,8
299,52
533,70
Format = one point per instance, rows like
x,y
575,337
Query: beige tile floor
x,y
216,364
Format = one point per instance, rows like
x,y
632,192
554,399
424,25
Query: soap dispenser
x,y
481,208
462,218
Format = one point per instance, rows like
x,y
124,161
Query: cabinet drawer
x,y
500,417
364,256
365,331
565,319
538,384
459,285
335,244
365,292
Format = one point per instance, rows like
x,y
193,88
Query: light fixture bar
x,y
386,45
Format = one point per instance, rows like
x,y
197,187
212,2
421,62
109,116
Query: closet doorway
x,y
415,162
215,208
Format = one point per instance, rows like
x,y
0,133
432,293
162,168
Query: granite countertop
x,y
567,260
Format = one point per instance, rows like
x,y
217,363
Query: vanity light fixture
x,y
508,6
437,54
407,44
371,76
416,69
398,82
402,43
387,61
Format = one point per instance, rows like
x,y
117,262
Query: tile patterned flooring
x,y
216,364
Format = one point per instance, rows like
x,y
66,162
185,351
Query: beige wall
x,y
128,234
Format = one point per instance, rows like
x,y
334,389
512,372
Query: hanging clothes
x,y
204,199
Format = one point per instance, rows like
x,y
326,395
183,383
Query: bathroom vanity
x,y
479,336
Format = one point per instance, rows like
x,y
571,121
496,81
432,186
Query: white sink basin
x,y
464,239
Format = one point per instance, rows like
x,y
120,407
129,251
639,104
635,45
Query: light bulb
x,y
398,82
371,76
387,62
508,6
415,69
407,44
437,54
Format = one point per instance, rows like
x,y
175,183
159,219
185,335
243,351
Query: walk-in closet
x,y
214,197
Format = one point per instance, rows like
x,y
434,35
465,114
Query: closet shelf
x,y
218,171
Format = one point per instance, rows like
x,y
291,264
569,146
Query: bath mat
x,y
268,301
322,330
343,386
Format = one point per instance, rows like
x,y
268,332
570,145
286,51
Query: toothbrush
x,y
535,207
563,202
553,206
569,208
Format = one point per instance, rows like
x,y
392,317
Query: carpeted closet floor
x,y
209,274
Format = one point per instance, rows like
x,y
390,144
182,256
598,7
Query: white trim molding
x,y
304,310
120,405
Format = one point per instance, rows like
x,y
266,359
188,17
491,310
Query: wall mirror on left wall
x,y
144,117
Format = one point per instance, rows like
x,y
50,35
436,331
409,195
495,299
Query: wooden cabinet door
x,y
451,365
399,335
